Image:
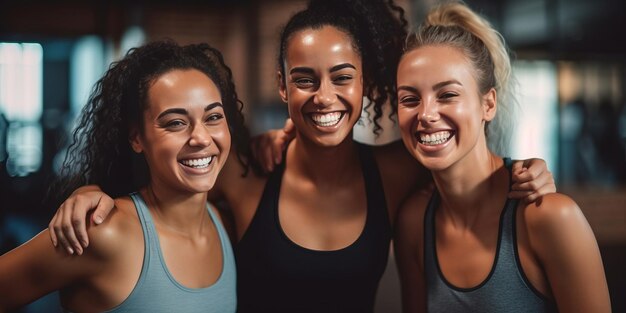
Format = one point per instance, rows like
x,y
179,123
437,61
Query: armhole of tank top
x,y
373,180
137,202
271,181
226,247
518,261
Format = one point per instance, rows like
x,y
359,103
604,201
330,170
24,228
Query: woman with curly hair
x,y
155,134
467,246
314,236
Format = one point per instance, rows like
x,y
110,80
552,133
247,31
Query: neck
x,y
475,185
324,165
183,213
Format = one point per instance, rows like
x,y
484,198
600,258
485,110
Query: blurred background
x,y
570,61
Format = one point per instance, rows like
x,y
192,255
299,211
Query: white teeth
x,y
198,163
326,119
434,138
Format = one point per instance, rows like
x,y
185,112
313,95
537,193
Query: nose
x,y
200,136
325,94
429,111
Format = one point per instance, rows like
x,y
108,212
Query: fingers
x,y
67,227
519,194
56,227
104,207
518,167
289,127
277,151
532,196
530,169
268,156
532,180
51,232
529,182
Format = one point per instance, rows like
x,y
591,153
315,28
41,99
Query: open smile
x,y
198,163
434,139
329,119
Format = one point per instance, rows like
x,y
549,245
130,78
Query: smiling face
x,y
323,84
440,109
185,139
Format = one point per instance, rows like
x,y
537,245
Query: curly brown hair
x,y
101,154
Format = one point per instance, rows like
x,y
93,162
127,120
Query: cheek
x,y
406,116
222,137
354,95
467,115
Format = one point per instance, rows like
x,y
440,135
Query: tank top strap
x,y
228,257
150,240
147,224
375,194
507,245
431,265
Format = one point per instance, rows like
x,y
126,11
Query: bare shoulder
x,y
121,229
554,210
555,223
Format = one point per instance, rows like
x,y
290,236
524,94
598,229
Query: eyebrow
x,y
185,112
308,70
408,88
303,70
435,87
447,82
341,66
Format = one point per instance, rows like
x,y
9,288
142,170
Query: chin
x,y
434,163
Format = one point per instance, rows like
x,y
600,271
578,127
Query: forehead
x,y
323,45
437,62
183,87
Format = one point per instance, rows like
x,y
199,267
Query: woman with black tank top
x,y
314,236
467,247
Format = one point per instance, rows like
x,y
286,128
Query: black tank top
x,y
277,275
506,288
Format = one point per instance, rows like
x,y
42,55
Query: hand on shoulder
x,y
115,232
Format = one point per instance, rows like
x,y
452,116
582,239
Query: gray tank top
x,y
506,288
158,291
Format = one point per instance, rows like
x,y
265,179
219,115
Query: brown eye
x,y
175,124
214,117
409,101
304,82
343,79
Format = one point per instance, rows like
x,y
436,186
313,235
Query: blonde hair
x,y
456,25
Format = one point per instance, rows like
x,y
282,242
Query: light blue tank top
x,y
158,291
506,289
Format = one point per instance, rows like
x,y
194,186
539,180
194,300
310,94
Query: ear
x,y
282,86
490,105
134,140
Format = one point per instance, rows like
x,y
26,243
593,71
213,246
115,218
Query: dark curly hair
x,y
378,31
101,154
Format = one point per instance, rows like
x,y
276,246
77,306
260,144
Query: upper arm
x,y
408,249
35,269
567,249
